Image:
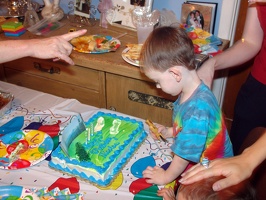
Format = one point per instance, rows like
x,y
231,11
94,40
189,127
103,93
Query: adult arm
x,y
47,48
241,52
234,169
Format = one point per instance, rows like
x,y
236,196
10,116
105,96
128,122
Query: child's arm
x,y
158,175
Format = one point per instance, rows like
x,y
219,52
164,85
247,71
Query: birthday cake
x,y
98,153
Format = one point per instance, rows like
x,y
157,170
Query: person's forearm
x,y
255,154
236,55
247,47
14,49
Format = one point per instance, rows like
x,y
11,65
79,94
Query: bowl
x,y
6,99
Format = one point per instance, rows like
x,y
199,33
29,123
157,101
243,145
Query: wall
x,y
222,18
157,4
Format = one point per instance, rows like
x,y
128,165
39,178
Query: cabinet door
x,y
138,98
83,84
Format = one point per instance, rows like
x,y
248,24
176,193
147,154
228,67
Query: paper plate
x,y
24,148
128,60
95,44
16,192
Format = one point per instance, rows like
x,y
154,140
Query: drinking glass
x,y
144,20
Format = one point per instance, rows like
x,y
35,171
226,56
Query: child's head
x,y
167,47
167,57
202,190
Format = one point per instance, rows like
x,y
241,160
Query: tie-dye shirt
x,y
199,128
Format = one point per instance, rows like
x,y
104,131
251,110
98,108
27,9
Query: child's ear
x,y
176,73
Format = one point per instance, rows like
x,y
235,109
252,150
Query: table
x,y
37,106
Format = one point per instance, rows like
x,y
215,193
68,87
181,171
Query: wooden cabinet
x,y
138,98
94,87
86,85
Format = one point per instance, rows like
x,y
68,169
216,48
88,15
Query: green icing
x,y
101,145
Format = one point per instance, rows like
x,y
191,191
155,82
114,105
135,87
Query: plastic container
x,y
44,27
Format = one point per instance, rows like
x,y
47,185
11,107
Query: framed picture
x,y
121,13
199,15
84,8
82,12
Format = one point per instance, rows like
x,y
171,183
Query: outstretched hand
x,y
57,47
234,170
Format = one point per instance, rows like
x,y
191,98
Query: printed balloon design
x,y
138,185
51,130
115,184
166,165
20,163
140,165
148,193
15,124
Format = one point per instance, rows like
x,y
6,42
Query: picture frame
x,y
82,12
82,8
121,13
206,15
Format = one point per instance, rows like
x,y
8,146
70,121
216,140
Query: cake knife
x,y
154,129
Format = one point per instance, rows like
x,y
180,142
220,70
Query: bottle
x,y
30,16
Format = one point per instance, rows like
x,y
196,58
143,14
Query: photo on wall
x,y
199,15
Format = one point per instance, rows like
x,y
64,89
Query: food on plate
x,y
94,43
134,51
84,43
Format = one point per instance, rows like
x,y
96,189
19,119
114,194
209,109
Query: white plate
x,y
128,60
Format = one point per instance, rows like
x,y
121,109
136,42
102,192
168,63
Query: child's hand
x,y
154,175
167,193
165,131
153,134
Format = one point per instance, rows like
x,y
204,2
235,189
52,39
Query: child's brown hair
x,y
166,47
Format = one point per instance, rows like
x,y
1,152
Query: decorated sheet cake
x,y
98,150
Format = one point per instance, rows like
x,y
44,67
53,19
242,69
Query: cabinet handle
x,y
112,108
52,70
150,100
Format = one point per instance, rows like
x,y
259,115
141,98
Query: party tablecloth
x,y
54,112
